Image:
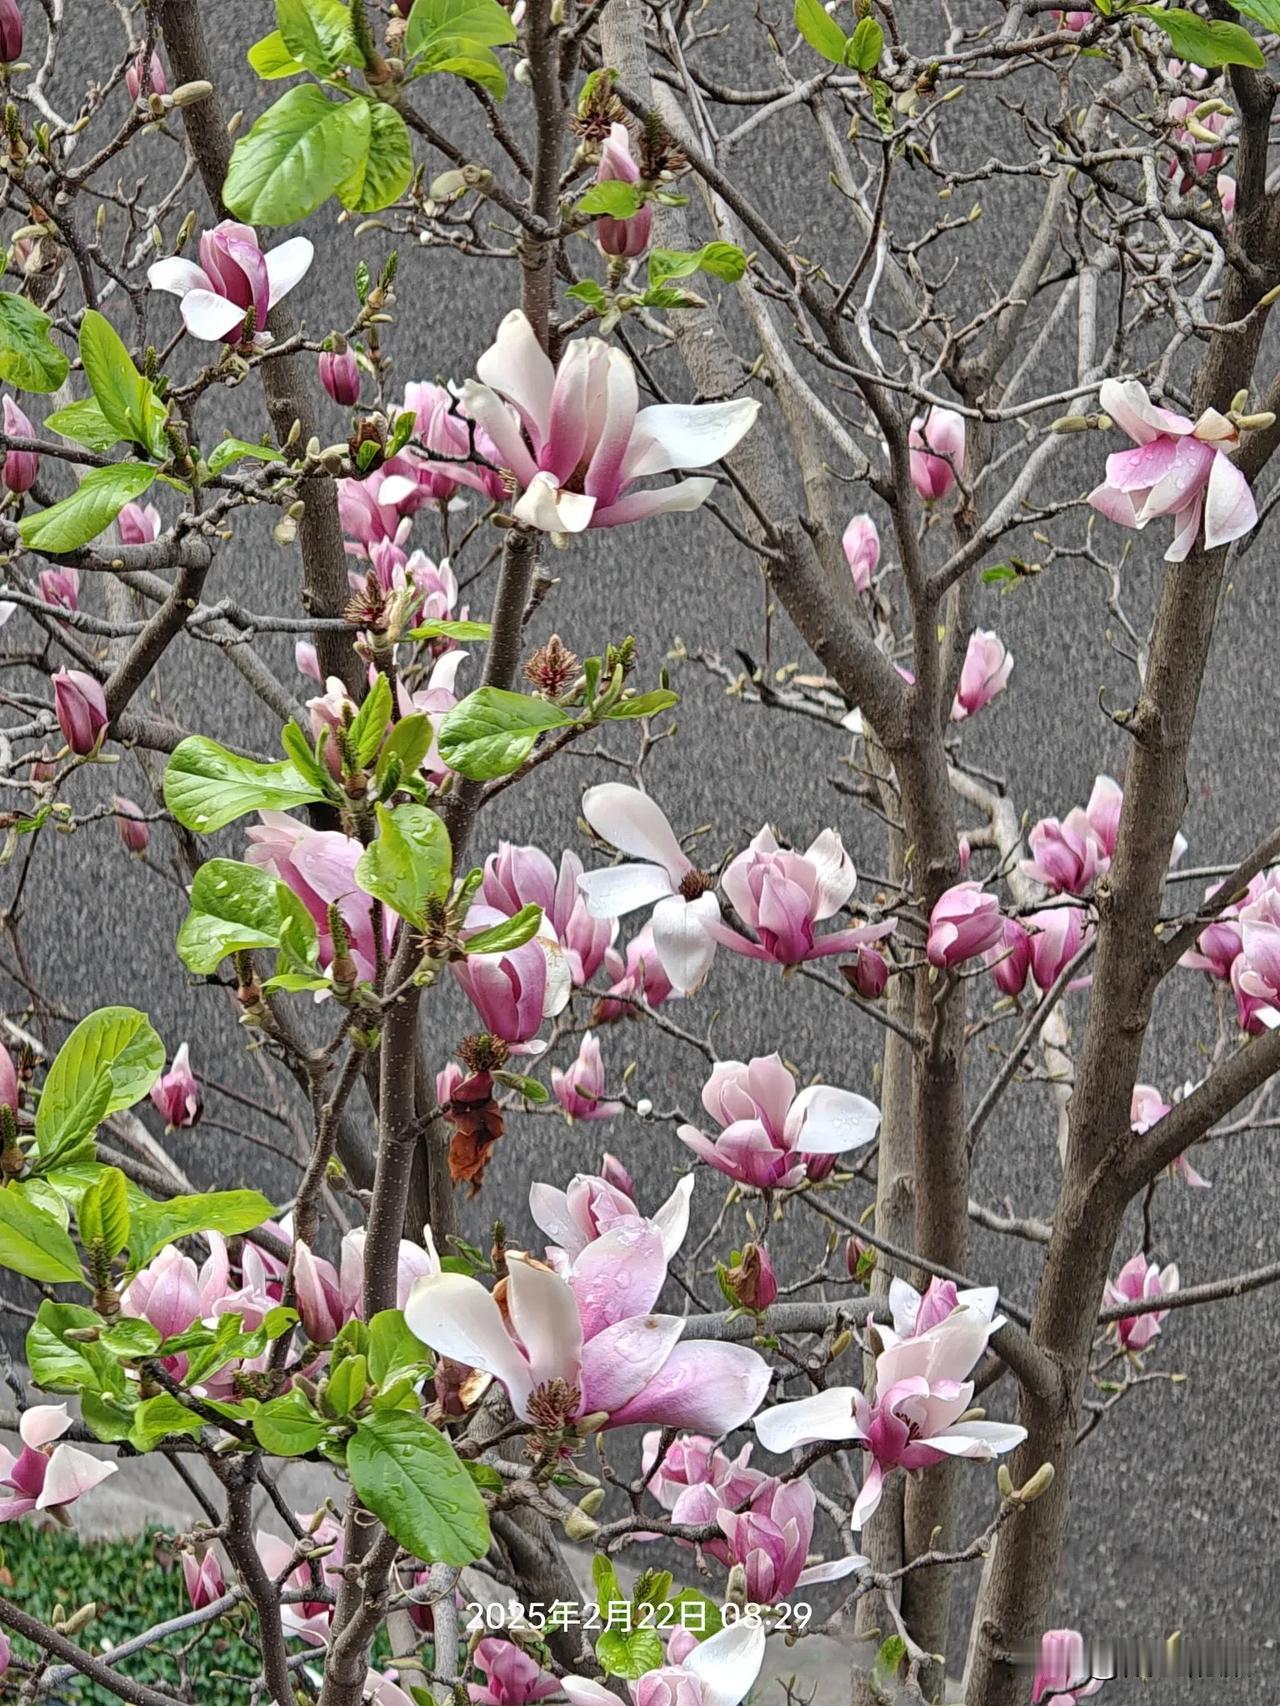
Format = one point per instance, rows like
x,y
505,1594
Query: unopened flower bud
x,y
1005,1482
735,1589
840,1344
133,77
81,708
135,833
187,94
340,374
579,1527
1039,1484
1239,402
20,466
868,973
10,31
590,1503
1070,423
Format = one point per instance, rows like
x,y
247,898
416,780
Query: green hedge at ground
x,y
134,1584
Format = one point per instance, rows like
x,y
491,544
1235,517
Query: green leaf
x,y
513,932
369,725
483,22
393,1349
410,1477
206,787
605,1580
131,1339
821,31
104,1212
1203,42
90,509
653,1588
452,631
644,704
288,1426
116,1042
345,1389
107,1415
722,260
295,156
27,358
612,198
235,907
589,291
409,743
708,1620
55,1364
230,450
629,1654
888,1664
83,423
410,860
1264,12
384,173
466,59
127,399
270,58
161,1223
160,1418
68,1135
298,750
483,1475
529,1088
33,1243
492,732
318,32
866,44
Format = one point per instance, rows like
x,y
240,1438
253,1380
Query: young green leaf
x,y
58,1364
206,787
229,450
722,260
236,907
408,744
866,44
346,1385
33,1243
613,199
116,1041
393,1349
1204,42
492,732
127,399
629,1653
104,1212
88,511
27,358
156,1224
270,58
1264,12
412,1479
452,631
83,423
483,22
288,1426
383,174
295,156
821,31
409,860
644,704
513,932
318,33
369,725
161,1417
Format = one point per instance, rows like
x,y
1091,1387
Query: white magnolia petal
x,y
517,366
635,824
1229,508
824,1120
552,509
687,435
496,418
286,264
210,317
826,1415
615,890
549,1207
681,941
677,499
177,276
833,1571
42,1424
70,1474
728,1663
545,1316
978,1439
837,877
456,1316
904,1306
395,489
672,1219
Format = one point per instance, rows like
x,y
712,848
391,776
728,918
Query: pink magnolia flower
x,y
172,1294
159,83
1067,855
435,701
1137,1281
233,276
8,1080
512,1678
772,1539
914,1314
1180,468
367,517
917,1418
1010,959
81,708
319,865
1074,21
1148,1106
307,660
1057,936
781,896
593,1205
10,31
1204,158
203,1578
768,1131
319,1294
40,1478
941,431
21,467
514,992
307,1618
576,439
640,977
624,238
695,1461
60,587
525,876
686,904
987,668
964,923
415,478
339,374
1103,813
595,1333
176,1095
414,1262
1062,1671
139,526
580,1089
1226,187
720,1671
868,973
861,544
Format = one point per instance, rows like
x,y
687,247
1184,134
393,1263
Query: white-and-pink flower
x,y
46,1476
234,276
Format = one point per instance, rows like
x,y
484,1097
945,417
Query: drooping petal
x,y
1138,470
681,941
980,1440
457,1317
71,1473
517,366
806,1421
826,1121
615,890
708,1387
868,1500
1187,474
833,1571
1186,530
210,317
545,1316
178,276
728,1663
1129,406
42,1424
619,1362
286,264
551,508
687,435
635,824
678,499
1115,505
1229,509
672,1219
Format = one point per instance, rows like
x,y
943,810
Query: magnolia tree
x,y
878,453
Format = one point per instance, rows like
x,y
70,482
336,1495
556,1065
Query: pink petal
x,y
619,1363
705,1386
71,1473
1229,510
618,1276
494,417
42,1424
517,366
685,495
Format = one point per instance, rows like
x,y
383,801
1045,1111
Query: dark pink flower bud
x,y
859,1259
20,466
134,831
177,1094
340,375
61,587
8,1080
614,1173
751,1280
138,526
204,1579
10,31
623,238
133,77
81,706
1010,959
868,974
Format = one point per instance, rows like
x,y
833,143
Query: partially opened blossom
x,y
319,1295
1103,813
782,895
309,1619
414,1262
868,972
307,660
593,1205
686,903
988,664
1180,468
1203,157
914,1313
580,1088
1146,1106
1010,959
720,1671
1062,1671
159,83
918,1415
44,1476
623,238
234,276
942,431
20,468
339,374
861,542
176,1094
1066,854
1057,935
81,708
772,1539
511,1677
768,1131
1137,1282
434,701
639,977
1074,21
171,1293
692,1460
367,517
139,525
60,587
515,877
515,991
203,1579
1226,187
319,865
576,440
964,923
587,1345
465,455
8,1081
